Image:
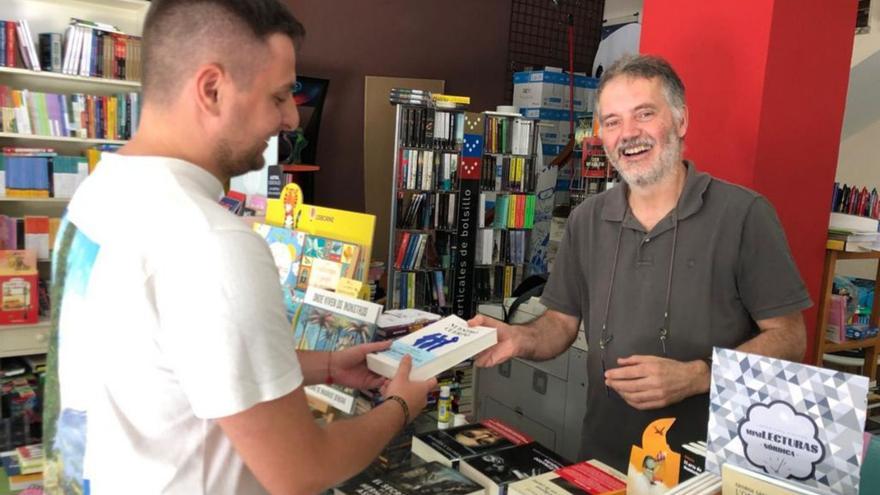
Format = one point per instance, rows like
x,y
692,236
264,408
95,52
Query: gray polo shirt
x,y
732,267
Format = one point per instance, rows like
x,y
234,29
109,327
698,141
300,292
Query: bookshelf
x,y
53,16
424,207
507,204
871,346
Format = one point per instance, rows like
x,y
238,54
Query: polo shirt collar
x,y
690,202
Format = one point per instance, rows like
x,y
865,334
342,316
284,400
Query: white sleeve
x,y
222,323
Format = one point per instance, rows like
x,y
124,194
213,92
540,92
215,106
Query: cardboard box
x,y
548,89
19,289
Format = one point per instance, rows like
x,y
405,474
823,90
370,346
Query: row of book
x,y
496,283
20,420
506,211
17,44
508,173
40,173
21,453
426,169
35,233
855,201
425,127
75,115
421,289
508,135
488,457
426,210
501,246
416,251
98,50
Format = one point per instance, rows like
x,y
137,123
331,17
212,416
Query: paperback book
x,y
585,478
329,321
434,349
427,479
497,470
450,446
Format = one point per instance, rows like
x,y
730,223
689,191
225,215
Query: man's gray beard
x,y
669,158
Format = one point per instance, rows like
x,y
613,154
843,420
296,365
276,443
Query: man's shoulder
x,y
733,194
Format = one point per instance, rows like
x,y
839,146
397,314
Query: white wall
x,y
859,161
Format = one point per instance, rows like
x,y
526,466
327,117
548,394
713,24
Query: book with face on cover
x,y
584,478
495,471
451,445
435,348
329,321
426,479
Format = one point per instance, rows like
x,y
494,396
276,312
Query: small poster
x,y
788,420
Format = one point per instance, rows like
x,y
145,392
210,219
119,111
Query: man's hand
x,y
651,382
415,393
348,367
506,348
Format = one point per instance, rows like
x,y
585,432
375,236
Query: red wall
x,y
461,41
766,84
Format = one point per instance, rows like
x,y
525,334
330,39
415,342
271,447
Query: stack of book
x,y
23,466
853,233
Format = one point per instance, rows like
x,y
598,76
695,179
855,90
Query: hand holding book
x,y
348,367
415,392
505,349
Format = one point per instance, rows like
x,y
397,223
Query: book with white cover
x,y
434,349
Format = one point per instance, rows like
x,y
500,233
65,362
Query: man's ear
x,y
683,125
210,79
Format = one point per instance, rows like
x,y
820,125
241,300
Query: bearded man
x,y
660,270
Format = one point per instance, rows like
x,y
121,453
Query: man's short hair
x,y
648,67
180,35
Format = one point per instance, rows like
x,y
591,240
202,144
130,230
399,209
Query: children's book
x,y
286,246
341,260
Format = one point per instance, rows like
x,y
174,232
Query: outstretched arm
x,y
544,338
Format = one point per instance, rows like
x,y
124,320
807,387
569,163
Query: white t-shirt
x,y
171,316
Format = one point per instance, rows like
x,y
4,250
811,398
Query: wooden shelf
x,y
872,345
298,167
45,201
36,138
851,344
21,340
64,83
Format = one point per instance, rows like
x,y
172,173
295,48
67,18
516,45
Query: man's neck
x,y
650,204
153,139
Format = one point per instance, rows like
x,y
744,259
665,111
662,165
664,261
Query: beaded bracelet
x,y
403,405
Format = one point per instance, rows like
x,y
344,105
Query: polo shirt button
x,y
647,239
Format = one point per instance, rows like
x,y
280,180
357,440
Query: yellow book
x,y
835,244
465,100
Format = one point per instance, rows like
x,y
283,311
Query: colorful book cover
x,y
328,321
286,247
316,247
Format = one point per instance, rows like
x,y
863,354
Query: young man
x,y
173,366
660,270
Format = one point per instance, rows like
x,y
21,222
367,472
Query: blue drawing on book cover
x,y
422,349
66,435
